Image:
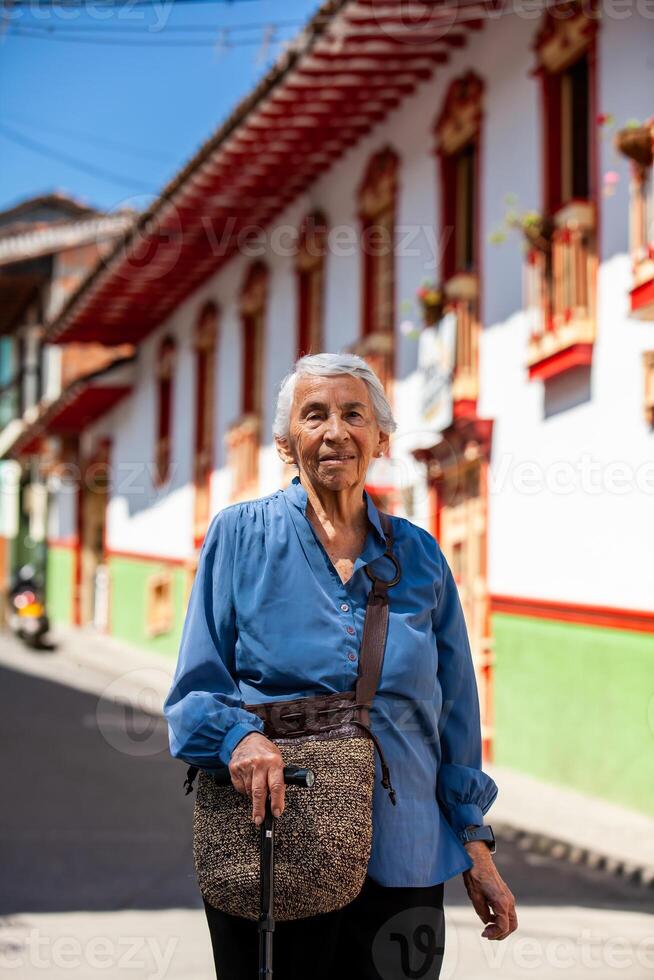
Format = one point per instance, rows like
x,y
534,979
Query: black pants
x,y
384,934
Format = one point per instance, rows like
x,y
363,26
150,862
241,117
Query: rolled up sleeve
x,y
464,791
204,709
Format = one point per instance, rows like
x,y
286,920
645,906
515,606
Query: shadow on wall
x,y
566,391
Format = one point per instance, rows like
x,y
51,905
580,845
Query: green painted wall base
x,y
59,584
574,705
128,603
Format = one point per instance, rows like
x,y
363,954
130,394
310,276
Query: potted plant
x,y
536,228
635,141
430,296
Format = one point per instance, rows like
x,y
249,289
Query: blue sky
x,y
135,110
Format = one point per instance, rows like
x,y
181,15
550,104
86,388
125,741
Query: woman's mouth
x,y
336,460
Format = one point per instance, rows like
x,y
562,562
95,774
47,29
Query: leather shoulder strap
x,y
375,627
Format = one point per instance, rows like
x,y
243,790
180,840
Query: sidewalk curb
x,y
539,843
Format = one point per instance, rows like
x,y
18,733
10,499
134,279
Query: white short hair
x,y
328,365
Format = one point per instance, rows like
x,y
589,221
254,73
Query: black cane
x,y
293,776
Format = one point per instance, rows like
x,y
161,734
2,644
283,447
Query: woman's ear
x,y
283,450
383,444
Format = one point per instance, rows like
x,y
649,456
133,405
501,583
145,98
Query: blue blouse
x,y
269,618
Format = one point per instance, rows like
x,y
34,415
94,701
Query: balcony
x,y
648,387
377,351
636,142
462,299
560,294
243,439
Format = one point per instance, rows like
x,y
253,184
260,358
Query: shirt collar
x,y
297,495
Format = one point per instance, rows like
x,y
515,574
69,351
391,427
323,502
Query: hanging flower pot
x,y
537,230
430,298
635,142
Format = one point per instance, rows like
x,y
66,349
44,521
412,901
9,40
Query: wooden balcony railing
x,y
462,298
560,293
243,439
637,144
573,254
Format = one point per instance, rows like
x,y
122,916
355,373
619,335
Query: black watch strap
x,y
484,834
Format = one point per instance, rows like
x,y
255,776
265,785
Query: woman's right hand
x,y
257,767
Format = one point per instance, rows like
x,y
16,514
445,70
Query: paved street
x,y
98,877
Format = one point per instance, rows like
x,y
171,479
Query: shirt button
x,y
345,607
351,656
350,630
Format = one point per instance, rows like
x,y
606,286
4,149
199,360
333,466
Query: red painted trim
x,y
635,620
154,559
380,488
448,210
63,543
165,386
642,297
573,356
478,228
464,408
105,448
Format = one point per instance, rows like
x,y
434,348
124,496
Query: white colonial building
x,y
463,199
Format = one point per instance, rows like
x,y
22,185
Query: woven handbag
x,y
323,839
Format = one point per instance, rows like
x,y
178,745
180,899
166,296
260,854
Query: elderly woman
x,y
277,611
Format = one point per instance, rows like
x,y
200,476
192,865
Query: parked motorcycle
x,y
27,618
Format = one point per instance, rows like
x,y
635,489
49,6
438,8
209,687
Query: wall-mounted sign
x,y
436,359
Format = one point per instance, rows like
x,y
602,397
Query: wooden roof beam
x,y
373,52
409,39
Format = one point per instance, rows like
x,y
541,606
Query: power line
x,y
219,41
87,168
93,139
182,28
9,5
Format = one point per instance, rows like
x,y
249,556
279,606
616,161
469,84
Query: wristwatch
x,y
484,833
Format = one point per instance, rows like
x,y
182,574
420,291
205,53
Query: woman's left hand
x,y
491,897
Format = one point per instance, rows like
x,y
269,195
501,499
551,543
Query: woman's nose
x,y
336,427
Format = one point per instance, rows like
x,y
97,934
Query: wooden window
x,y
458,140
205,349
165,372
244,435
377,206
310,264
458,133
565,51
567,122
253,311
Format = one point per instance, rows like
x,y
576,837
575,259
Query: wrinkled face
x,y
333,431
